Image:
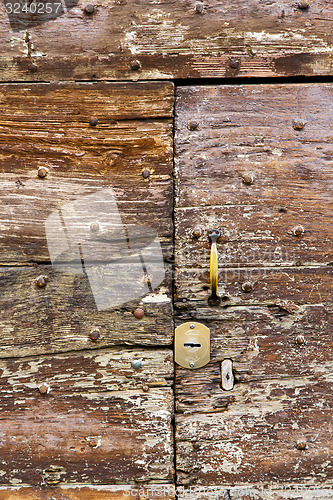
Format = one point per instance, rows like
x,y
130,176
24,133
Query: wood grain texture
x,y
263,491
91,492
96,424
48,126
171,40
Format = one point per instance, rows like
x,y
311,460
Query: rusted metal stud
x,y
298,230
41,281
199,8
42,172
139,313
89,9
94,227
145,173
145,388
94,441
32,67
196,232
301,445
135,65
234,63
247,287
136,364
298,124
303,4
192,125
93,121
94,334
44,388
196,445
227,376
247,178
300,340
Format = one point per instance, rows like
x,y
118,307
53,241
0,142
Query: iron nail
x,y
298,124
41,281
300,340
234,63
93,442
32,67
199,8
139,313
136,364
42,172
89,9
247,178
192,326
94,334
44,388
94,227
303,4
93,122
298,230
301,445
145,388
196,232
247,287
192,365
135,65
145,174
192,125
196,445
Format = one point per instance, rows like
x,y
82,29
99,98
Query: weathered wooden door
x,y
118,155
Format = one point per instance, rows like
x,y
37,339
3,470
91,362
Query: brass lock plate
x,y
192,345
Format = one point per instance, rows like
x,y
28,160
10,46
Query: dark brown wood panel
x,y
149,40
48,126
87,418
255,161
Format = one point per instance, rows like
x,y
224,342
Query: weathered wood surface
x,y
171,40
91,492
264,491
48,126
62,315
99,420
242,166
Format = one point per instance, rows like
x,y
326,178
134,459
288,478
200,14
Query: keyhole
x,y
191,345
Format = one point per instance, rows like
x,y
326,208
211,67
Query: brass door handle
x,y
214,235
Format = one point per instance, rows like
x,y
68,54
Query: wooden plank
x,y
247,171
87,418
182,40
263,491
47,126
63,315
273,431
91,492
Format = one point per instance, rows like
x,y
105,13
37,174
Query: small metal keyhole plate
x,y
192,345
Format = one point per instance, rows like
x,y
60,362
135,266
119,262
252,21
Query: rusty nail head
x,y
41,281
199,8
32,67
298,124
145,388
139,313
93,442
303,4
247,178
300,340
93,122
145,173
298,230
196,445
234,63
94,335
247,287
94,227
196,232
44,389
192,125
89,9
136,364
301,445
42,172
135,65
